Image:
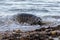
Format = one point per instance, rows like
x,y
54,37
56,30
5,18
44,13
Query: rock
x,y
17,31
1,36
42,29
59,37
28,18
50,38
53,33
48,30
24,38
5,36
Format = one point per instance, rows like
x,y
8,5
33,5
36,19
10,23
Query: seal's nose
x,y
40,23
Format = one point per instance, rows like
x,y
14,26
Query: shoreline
x,y
50,33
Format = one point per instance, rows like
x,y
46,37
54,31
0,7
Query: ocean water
x,y
48,10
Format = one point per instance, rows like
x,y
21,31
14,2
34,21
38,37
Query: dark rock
x,y
28,18
42,29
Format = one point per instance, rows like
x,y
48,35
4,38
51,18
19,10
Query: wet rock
x,y
54,34
42,29
24,38
17,31
15,35
35,36
59,37
29,18
50,38
5,36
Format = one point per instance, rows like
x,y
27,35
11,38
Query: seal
x,y
28,18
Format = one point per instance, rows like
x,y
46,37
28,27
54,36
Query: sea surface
x,y
47,10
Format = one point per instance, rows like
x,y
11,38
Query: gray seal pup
x,y
28,18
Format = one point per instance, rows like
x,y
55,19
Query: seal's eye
x,y
39,23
